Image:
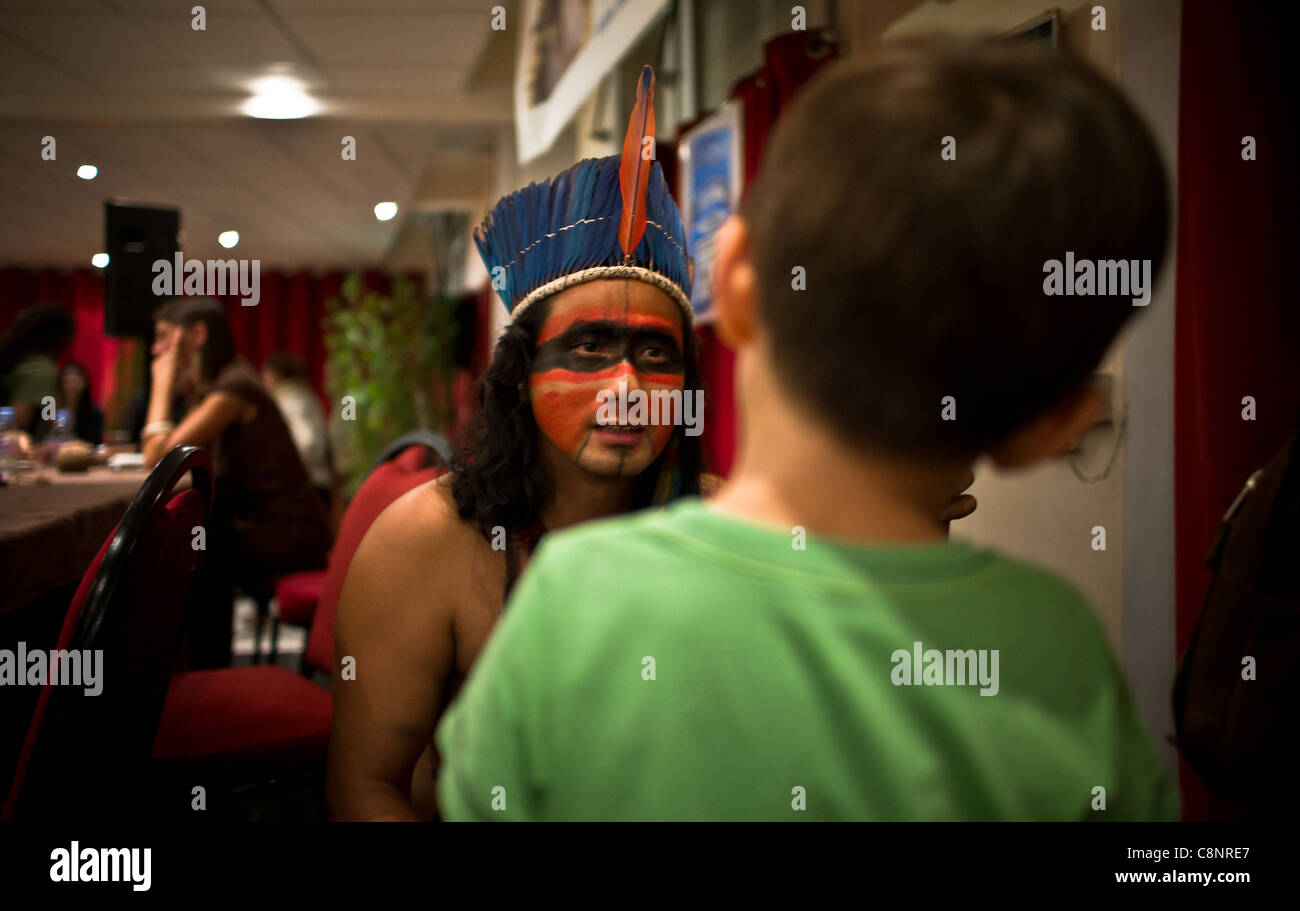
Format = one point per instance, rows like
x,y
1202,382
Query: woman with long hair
x,y
76,397
268,519
29,354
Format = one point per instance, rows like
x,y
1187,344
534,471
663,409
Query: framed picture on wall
x,y
710,156
1044,29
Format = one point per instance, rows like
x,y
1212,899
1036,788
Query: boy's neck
x,y
791,471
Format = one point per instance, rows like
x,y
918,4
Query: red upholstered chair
x,y
296,597
297,594
85,755
292,600
247,724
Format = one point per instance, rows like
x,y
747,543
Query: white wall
x,y
1149,62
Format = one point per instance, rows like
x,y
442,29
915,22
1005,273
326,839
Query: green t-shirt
x,y
687,665
31,379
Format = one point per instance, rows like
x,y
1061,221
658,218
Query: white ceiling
x,y
129,86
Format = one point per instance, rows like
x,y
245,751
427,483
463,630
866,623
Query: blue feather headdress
x,y
602,218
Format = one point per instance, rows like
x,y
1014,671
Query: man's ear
x,y
1054,432
735,283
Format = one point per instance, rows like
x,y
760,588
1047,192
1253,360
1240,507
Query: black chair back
x,y
435,443
86,752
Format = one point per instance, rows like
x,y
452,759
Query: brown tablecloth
x,y
49,533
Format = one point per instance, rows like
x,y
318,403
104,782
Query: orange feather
x,y
634,170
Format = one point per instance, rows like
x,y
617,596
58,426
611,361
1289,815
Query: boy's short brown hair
x,y
924,272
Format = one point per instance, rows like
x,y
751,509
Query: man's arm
x,y
394,621
491,766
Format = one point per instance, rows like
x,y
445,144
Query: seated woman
x,y
75,396
29,354
267,518
285,376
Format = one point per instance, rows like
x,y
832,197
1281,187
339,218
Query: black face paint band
x,y
611,344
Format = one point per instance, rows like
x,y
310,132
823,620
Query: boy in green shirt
x,y
808,645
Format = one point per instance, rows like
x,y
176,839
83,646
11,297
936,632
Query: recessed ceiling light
x,y
99,260
87,172
385,210
280,98
228,239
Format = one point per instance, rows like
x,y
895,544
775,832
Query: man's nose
x,y
622,374
620,383
629,375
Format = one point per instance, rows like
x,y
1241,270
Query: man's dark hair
x,y
499,475
924,276
219,350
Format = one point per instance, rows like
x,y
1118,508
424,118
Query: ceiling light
x,y
228,239
99,260
87,172
385,210
280,98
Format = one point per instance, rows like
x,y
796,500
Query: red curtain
x,y
81,293
788,62
1236,325
287,317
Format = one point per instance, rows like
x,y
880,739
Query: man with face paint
x,y
593,269
605,338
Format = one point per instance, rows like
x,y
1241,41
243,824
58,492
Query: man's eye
x,y
587,348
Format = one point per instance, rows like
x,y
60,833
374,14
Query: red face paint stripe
x,y
576,377
569,379
660,379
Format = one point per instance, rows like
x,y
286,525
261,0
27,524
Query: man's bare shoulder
x,y
422,518
415,539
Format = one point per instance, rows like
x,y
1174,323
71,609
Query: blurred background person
x,y
76,397
285,377
267,519
29,354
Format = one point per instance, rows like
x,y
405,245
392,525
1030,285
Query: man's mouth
x,y
620,434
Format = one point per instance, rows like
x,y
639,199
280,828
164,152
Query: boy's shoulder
x,y
617,568
637,532
662,542
661,533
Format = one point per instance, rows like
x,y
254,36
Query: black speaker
x,y
466,329
134,238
